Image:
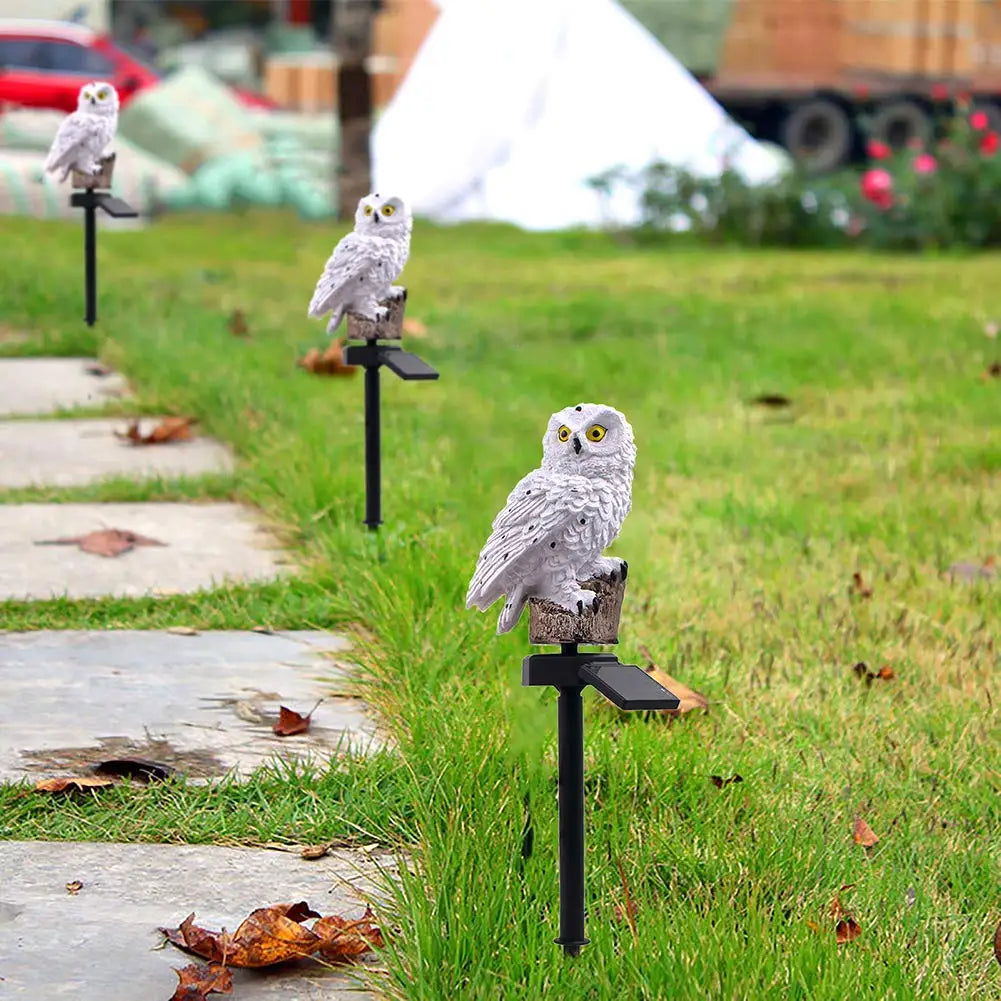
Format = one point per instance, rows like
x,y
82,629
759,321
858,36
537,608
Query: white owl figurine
x,y
84,135
361,270
560,517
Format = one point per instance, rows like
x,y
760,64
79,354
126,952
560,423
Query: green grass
x,y
745,533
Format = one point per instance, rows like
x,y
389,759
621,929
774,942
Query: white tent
x,y
512,105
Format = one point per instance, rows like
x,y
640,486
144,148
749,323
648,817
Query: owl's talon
x,y
580,607
397,293
624,571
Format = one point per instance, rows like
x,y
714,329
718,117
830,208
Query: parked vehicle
x,y
43,64
803,73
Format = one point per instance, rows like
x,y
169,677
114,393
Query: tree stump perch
x,y
361,328
95,182
550,624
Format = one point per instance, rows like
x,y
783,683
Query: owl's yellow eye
x,y
368,210
564,433
596,432
102,94
388,210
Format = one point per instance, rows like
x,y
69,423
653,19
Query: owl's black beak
x,y
92,100
375,218
576,444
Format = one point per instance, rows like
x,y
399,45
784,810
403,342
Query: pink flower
x,y
878,150
989,143
979,120
925,164
877,187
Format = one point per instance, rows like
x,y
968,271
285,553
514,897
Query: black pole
x,y
90,257
373,470
570,710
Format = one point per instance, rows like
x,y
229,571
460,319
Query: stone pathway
x,y
77,452
204,544
201,704
45,385
102,942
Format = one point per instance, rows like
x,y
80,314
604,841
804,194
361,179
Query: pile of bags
x,y
187,143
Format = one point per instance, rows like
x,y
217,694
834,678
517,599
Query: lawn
x,y
748,524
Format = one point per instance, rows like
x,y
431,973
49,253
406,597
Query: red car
x,y
43,64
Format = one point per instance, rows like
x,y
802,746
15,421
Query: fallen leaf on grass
x,y
312,852
329,362
135,768
73,784
885,673
413,327
859,586
105,542
772,400
168,431
290,722
74,888
688,698
719,781
237,324
992,371
846,928
196,981
863,834
276,934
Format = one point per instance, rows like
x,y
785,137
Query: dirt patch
x,y
79,760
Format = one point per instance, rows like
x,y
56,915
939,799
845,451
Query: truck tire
x,y
897,123
818,134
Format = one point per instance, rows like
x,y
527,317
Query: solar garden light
x,y
372,356
570,672
92,193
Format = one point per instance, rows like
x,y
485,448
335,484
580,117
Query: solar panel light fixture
x,y
373,355
91,192
546,550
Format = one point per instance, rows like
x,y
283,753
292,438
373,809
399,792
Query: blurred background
x,y
474,107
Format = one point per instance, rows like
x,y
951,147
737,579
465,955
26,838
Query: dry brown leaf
x,y
196,982
719,781
413,327
847,930
237,324
992,371
312,852
73,784
290,722
168,431
276,934
74,888
105,542
863,834
885,673
859,586
688,698
182,631
329,362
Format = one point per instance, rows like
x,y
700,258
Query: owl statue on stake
x,y
84,135
560,518
360,272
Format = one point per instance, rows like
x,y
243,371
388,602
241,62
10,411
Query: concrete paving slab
x,y
44,385
202,704
75,452
206,545
102,942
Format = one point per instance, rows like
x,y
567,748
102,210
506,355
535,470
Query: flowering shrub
x,y
947,195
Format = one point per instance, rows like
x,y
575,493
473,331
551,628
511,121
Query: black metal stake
x,y
90,257
373,355
373,450
628,687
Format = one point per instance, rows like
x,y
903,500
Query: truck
x,y
819,77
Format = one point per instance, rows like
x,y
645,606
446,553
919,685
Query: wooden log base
x,y
360,328
550,624
99,182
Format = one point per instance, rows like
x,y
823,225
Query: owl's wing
x,y
72,132
539,509
349,262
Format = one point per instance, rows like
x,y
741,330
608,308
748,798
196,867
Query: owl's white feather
x,y
360,272
83,136
559,519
